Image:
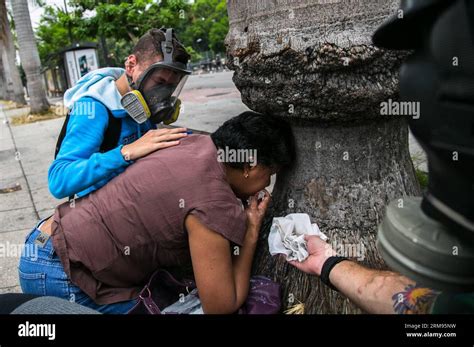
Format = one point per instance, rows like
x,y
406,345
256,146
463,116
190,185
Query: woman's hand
x,y
255,213
319,251
153,140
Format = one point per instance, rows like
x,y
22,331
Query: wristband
x,y
326,270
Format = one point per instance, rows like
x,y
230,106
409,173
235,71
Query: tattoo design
x,y
414,300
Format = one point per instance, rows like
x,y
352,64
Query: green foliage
x,y
201,26
209,23
422,178
195,56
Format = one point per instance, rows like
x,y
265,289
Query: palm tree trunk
x,y
312,63
3,86
29,56
12,75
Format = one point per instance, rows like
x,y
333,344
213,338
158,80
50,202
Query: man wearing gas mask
x,y
114,113
430,240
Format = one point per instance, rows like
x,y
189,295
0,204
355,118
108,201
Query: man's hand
x,y
319,251
153,140
255,213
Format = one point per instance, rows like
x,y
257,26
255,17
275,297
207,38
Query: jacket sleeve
x,y
79,164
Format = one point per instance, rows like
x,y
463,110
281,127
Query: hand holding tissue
x,y
287,236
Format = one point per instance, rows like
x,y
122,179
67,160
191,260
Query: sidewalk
x,y
25,154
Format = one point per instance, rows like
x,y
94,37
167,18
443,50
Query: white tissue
x,y
287,236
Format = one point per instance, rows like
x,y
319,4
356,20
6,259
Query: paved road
x,y
209,100
26,152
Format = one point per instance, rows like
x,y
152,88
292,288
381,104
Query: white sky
x,y
36,11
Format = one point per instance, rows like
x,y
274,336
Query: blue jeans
x,y
41,273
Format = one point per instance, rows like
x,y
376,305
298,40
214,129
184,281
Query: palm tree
x,y
3,86
12,75
29,56
313,63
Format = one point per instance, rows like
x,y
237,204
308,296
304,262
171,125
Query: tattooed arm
x,y
372,290
381,291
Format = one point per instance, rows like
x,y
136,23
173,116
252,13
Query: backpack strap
x,y
112,133
111,136
61,136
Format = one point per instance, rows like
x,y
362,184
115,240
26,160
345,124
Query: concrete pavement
x,y
25,154
209,100
26,151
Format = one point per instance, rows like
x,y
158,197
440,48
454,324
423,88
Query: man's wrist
x,y
328,253
327,267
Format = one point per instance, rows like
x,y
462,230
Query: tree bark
x,y
29,56
312,63
12,75
3,87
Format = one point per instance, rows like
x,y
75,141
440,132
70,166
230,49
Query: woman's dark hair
x,y
270,136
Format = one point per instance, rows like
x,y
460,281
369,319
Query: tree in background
x,y
209,23
11,76
116,25
3,83
29,56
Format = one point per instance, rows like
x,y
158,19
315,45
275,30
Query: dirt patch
x,y
9,105
33,118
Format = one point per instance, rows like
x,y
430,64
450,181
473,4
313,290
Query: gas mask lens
x,y
157,95
162,95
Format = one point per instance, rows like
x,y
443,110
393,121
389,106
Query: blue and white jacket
x,y
79,167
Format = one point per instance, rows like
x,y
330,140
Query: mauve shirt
x,y
112,240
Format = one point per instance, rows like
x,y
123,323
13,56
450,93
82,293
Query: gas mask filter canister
x,y
136,106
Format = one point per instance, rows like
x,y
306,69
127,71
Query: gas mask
x,y
431,240
154,95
